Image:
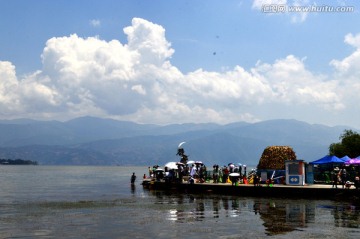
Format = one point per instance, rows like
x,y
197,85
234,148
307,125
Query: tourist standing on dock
x,y
216,173
180,173
201,174
335,175
225,174
193,171
256,180
343,176
220,178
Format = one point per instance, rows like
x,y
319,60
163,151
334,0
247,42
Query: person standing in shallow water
x,y
133,178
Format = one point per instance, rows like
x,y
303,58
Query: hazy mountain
x,y
95,141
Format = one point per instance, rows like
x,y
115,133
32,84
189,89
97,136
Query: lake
x,y
99,202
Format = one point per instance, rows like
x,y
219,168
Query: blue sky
x,y
236,32
179,61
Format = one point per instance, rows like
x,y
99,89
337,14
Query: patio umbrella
x,y
171,165
181,144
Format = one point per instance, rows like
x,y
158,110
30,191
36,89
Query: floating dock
x,y
313,191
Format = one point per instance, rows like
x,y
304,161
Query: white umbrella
x,y
171,165
180,145
191,162
234,174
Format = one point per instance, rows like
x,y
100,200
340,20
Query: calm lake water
x,y
99,202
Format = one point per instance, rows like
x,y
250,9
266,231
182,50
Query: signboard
x,y
294,179
295,172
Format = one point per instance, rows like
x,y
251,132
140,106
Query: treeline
x,y
348,146
17,162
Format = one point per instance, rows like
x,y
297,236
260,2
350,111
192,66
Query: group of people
x,y
197,172
340,177
223,174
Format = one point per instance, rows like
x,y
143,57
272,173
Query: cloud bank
x,y
136,81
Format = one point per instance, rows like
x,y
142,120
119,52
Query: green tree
x,y
349,145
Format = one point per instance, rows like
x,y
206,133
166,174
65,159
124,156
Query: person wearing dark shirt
x,y
133,178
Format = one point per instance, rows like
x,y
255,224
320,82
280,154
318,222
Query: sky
x,y
166,62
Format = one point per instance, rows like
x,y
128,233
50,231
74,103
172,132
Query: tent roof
x,y
345,158
328,159
353,161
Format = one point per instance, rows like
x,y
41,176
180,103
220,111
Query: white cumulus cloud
x,y
137,81
292,83
351,64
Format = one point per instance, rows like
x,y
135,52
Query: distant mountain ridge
x,y
97,141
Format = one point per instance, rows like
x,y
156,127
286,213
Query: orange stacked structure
x,y
274,157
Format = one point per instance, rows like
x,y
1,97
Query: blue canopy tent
x,y
323,167
345,158
328,159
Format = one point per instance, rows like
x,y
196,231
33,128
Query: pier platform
x,y
313,191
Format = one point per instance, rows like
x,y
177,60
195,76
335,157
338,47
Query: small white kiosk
x,y
295,172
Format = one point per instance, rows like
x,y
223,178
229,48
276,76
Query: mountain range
x,y
97,141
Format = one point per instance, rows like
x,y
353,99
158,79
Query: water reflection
x,y
133,188
215,203
345,215
276,215
280,218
